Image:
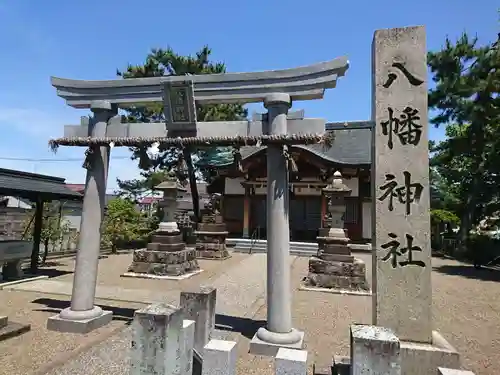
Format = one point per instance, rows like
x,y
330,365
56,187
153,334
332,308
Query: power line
x,y
57,160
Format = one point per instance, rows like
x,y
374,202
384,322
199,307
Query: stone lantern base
x,y
211,241
334,267
166,257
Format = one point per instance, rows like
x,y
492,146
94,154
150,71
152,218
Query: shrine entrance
x,y
305,217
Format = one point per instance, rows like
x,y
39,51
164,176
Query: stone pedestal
x,y
211,236
375,350
334,268
166,256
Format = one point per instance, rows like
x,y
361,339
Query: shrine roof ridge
x,y
302,83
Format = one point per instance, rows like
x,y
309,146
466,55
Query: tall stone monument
x,y
211,233
402,298
334,267
166,256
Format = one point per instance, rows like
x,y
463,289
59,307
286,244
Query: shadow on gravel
x,y
55,306
468,271
247,327
52,272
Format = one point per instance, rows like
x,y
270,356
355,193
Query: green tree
x,y
122,223
54,227
466,101
165,62
136,188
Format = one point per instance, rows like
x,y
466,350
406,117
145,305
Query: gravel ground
x,y
466,313
113,266
39,349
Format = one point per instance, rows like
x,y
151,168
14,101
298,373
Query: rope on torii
x,y
325,139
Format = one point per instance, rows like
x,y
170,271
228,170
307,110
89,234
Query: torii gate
x,y
276,89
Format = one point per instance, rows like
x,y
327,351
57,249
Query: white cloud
x,y
37,127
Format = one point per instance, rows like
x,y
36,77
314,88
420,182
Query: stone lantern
x,y
334,267
170,188
335,194
166,256
211,233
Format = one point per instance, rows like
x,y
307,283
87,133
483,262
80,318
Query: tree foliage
x,y
54,227
122,223
165,62
136,188
465,167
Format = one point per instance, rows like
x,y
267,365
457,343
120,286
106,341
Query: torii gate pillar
x,y
83,316
278,332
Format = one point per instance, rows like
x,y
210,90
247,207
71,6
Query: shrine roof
x,y
32,185
350,147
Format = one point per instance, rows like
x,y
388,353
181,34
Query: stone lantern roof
x,y
170,184
337,185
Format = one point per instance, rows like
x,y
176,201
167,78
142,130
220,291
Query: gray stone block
x,y
199,305
219,358
167,247
290,362
161,269
156,343
213,227
166,239
165,257
337,257
187,340
423,359
213,254
374,351
56,323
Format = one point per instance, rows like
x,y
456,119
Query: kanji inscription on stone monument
x,y
395,250
406,127
400,175
406,193
391,76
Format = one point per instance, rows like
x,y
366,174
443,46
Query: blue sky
x,y
90,39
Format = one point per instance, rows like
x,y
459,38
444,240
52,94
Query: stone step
x,y
243,242
296,248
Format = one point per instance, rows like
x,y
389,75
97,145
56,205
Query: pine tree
x,y
466,100
165,62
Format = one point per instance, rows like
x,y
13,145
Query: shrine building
x,y
244,198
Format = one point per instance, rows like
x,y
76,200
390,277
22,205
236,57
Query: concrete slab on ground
x,y
114,293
